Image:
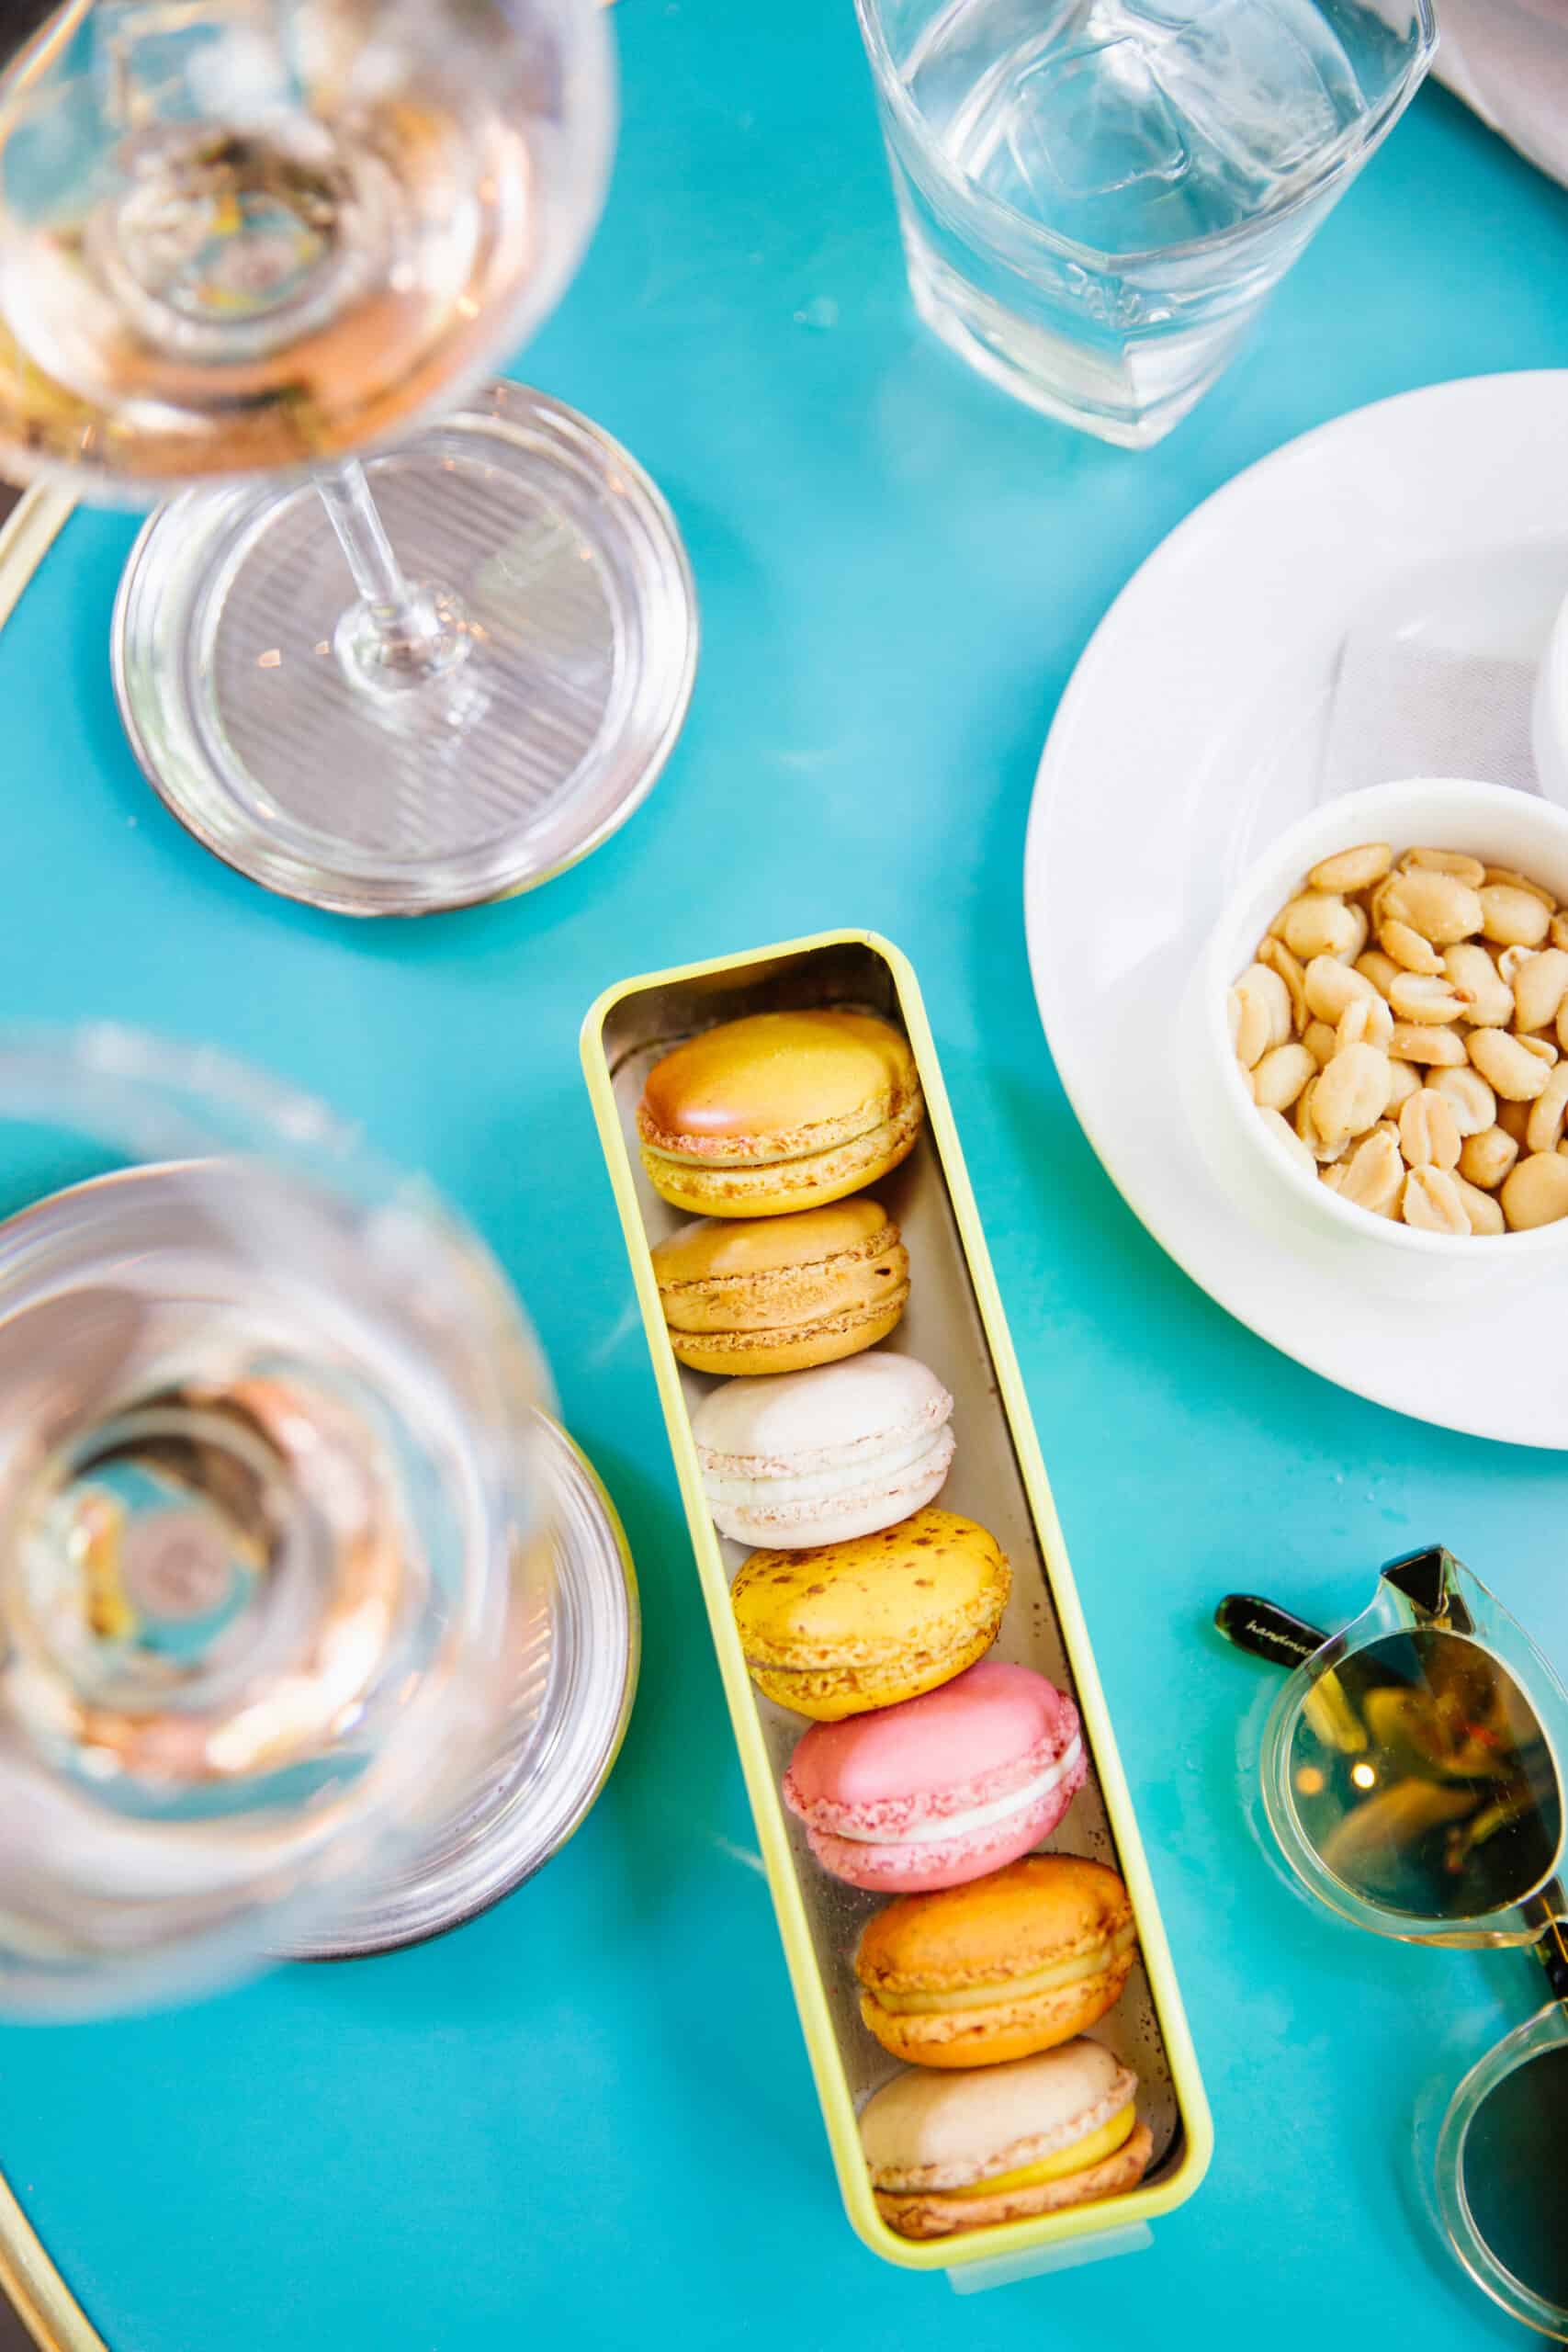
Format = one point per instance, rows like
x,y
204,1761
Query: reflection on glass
x,y
1423,1779
1514,2180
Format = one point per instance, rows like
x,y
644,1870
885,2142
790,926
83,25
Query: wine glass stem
x,y
398,634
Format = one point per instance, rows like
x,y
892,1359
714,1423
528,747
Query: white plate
x,y
1194,731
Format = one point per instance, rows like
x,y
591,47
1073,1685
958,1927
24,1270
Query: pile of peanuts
x,y
1410,1020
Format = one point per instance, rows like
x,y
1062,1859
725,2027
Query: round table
x,y
588,2117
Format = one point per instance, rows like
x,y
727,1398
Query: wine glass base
x,y
575,1677
577,595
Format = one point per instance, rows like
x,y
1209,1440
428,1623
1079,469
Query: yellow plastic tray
x,y
955,1322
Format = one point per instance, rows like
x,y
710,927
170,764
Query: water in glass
x,y
1095,195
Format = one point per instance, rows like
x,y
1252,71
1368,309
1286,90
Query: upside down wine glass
x,y
273,1521
245,239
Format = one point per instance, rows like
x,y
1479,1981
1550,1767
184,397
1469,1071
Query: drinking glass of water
x,y
1097,196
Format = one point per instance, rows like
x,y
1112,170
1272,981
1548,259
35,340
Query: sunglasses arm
x,y
1552,1949
1267,1631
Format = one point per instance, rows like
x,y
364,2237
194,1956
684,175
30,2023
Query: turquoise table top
x,y
588,2117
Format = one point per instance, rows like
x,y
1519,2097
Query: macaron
x,y
816,1457
1016,1962
845,1627
780,1111
960,2152
780,1294
941,1788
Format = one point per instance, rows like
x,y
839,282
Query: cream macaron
x,y
964,2151
805,1458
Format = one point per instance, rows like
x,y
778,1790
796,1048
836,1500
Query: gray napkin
x,y
1406,709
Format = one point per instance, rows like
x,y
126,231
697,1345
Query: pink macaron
x,y
939,1790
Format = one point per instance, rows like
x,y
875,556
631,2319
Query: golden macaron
x,y
999,1969
964,2150
778,1112
841,1628
781,1294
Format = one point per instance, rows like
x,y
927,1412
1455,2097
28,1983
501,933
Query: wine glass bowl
x,y
251,236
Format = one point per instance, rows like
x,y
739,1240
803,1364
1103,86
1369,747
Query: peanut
x,y
1416,995
1559,931
1320,1042
1275,956
1404,1079
1262,1017
1543,1128
1467,1096
1279,1127
1366,1021
1353,869
1514,1118
1351,1092
1506,1064
1306,1128
1280,1076
1484,1214
1285,1135
1375,1173
1513,916
1470,969
1427,1133
1417,1041
1432,1202
1540,984
1506,874
1408,949
1320,923
1456,862
1379,968
1440,907
1484,1160
1329,986
1537,1192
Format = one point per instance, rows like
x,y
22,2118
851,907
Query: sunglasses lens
x,y
1514,2181
1421,1779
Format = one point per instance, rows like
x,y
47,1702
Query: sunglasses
x,y
1410,1776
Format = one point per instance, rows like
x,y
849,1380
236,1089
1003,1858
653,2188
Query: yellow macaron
x,y
781,1293
841,1628
778,1112
1006,1965
964,2150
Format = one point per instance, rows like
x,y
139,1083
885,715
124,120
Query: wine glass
x,y
272,1524
245,239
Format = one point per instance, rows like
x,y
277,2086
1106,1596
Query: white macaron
x,y
820,1456
966,2149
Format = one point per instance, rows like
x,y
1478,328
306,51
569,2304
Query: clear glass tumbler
x,y
1097,196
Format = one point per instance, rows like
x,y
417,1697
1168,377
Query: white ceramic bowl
x,y
1497,824
1549,713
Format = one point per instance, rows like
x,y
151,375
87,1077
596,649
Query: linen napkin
x,y
1404,709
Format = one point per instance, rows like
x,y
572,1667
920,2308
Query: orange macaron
x,y
1019,1961
778,1112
